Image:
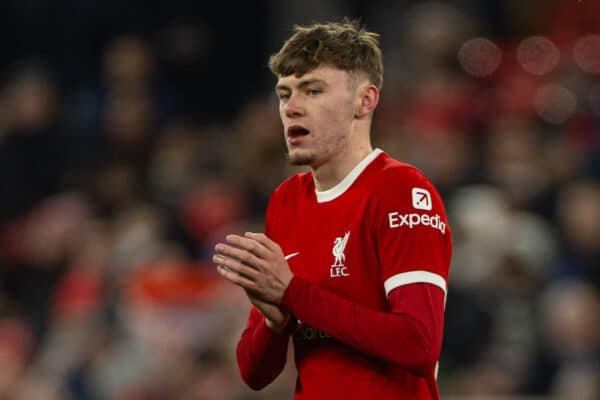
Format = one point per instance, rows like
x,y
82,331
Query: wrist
x,y
278,327
291,292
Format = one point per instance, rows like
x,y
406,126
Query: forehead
x,y
329,75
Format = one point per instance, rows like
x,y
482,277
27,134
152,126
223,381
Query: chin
x,y
299,158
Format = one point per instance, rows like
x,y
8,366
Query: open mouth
x,y
296,131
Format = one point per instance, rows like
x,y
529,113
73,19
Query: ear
x,y
367,100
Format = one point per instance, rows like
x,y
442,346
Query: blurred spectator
x,y
33,151
579,220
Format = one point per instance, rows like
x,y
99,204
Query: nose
x,y
294,107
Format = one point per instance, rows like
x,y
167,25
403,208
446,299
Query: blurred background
x,y
135,134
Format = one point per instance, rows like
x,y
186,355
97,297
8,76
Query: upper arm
x,y
412,233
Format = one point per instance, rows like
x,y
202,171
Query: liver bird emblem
x,y
339,245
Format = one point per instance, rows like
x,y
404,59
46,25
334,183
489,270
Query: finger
x,y
236,266
235,278
250,245
242,255
264,240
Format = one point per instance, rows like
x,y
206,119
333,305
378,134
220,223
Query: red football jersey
x,y
383,227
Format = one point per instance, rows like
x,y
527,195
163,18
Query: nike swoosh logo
x,y
291,255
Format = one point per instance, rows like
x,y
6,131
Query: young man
x,y
354,262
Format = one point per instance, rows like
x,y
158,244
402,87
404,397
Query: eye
x,y
283,96
314,92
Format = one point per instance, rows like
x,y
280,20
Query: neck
x,y
331,172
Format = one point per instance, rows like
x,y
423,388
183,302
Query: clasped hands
x,y
257,264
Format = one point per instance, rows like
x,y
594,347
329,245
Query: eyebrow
x,y
302,84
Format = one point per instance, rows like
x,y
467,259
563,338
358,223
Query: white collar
x,y
340,188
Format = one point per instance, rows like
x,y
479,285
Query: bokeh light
x,y
479,56
538,55
587,53
554,103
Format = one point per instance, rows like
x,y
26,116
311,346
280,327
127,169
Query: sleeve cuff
x,y
273,335
291,293
290,327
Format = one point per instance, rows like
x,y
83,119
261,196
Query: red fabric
x,y
371,260
261,353
409,336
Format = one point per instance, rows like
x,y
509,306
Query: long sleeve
x,y
261,352
410,335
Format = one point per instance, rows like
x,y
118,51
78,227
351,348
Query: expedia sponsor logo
x,y
421,199
397,220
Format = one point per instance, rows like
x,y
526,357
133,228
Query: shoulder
x,y
395,176
293,187
402,184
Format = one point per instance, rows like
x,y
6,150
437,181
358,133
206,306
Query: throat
x,y
329,174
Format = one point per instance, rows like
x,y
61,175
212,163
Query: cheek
x,y
338,110
339,115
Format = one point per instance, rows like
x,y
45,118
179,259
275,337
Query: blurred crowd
x,y
114,190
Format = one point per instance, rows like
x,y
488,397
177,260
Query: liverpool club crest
x,y
339,246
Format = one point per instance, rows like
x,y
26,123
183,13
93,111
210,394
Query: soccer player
x,y
354,261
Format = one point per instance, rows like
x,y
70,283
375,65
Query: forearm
x,y
408,336
261,354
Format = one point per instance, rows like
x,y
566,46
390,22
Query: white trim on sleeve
x,y
406,278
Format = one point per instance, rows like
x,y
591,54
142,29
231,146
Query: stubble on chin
x,y
299,159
